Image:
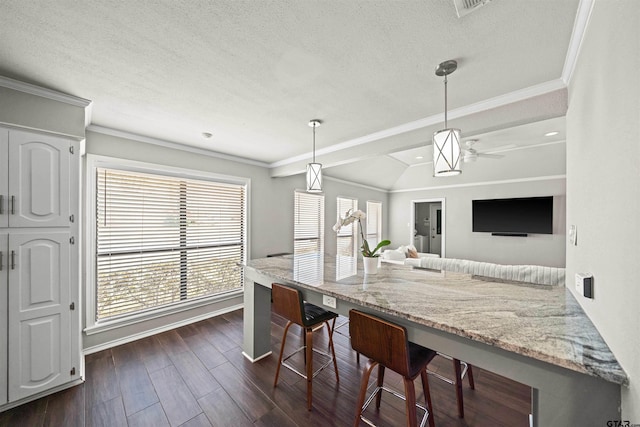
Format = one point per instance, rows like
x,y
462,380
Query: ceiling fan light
x,y
314,177
446,152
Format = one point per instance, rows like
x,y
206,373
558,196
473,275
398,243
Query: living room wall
x,y
603,177
461,242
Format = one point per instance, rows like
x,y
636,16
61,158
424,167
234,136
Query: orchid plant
x,y
352,216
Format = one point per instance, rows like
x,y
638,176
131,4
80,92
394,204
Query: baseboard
x,y
154,331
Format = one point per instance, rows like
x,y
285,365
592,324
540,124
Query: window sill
x,y
160,312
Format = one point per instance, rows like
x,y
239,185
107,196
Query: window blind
x,y
347,238
374,223
161,240
308,223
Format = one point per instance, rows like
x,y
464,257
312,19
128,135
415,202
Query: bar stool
x,y
288,303
386,345
460,369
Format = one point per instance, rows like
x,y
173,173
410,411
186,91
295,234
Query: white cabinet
x,y
39,324
36,188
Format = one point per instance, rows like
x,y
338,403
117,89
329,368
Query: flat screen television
x,y
514,216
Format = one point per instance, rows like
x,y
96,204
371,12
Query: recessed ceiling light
x,y
418,157
207,135
554,133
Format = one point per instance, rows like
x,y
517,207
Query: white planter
x,y
370,265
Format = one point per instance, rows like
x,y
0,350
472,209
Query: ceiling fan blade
x,y
490,156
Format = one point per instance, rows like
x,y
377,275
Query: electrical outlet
x,y
329,301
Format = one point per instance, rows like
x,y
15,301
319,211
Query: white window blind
x,y
347,238
374,223
308,223
162,239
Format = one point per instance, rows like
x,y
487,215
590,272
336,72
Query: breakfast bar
x,y
534,334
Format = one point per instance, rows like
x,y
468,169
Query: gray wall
x,y
461,242
603,182
270,213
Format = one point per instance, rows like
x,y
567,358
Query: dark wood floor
x,y
196,376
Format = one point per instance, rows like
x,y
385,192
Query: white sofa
x,y
534,274
401,256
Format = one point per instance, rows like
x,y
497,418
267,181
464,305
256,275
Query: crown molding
x,y
43,92
498,101
355,184
577,36
173,145
477,184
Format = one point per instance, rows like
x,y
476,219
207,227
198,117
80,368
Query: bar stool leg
x,y
333,352
458,385
472,385
424,376
366,374
309,361
410,395
380,384
284,340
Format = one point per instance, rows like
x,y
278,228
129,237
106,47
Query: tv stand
x,y
510,234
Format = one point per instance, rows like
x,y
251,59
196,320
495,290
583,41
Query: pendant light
x,y
314,170
446,142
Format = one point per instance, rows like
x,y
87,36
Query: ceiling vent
x,y
464,7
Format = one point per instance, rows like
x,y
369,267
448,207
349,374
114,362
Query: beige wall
x,y
603,181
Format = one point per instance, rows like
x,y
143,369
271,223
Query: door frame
x,y
412,220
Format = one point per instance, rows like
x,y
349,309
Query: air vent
x,y
464,7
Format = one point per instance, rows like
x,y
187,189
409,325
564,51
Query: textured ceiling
x,y
253,73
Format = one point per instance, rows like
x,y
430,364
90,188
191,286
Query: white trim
x,y
257,358
412,213
37,396
173,145
45,93
94,161
498,101
355,184
577,36
477,184
154,331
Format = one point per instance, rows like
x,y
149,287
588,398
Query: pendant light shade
x,y
446,142
314,170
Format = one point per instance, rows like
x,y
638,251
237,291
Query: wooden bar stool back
x,y
288,303
386,345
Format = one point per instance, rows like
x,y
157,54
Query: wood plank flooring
x,y
196,376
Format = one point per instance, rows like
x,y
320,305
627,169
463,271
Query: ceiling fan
x,y
470,154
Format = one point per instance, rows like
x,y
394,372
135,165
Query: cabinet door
x,y
4,177
38,180
4,245
39,313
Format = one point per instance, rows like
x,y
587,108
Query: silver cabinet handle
x,y
13,260
0,260
1,204
13,205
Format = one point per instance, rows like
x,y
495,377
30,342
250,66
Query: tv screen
x,y
521,215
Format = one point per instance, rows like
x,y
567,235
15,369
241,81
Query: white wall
x,y
603,181
461,242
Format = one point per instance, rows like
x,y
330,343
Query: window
x,y
164,238
308,223
347,237
374,223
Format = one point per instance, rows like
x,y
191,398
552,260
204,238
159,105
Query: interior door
x,y
39,184
39,314
435,232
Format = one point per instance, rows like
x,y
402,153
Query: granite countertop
x,y
542,322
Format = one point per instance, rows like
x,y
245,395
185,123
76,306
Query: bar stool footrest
x,y
317,371
377,390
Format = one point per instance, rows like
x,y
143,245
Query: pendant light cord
x,y
314,143
445,102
